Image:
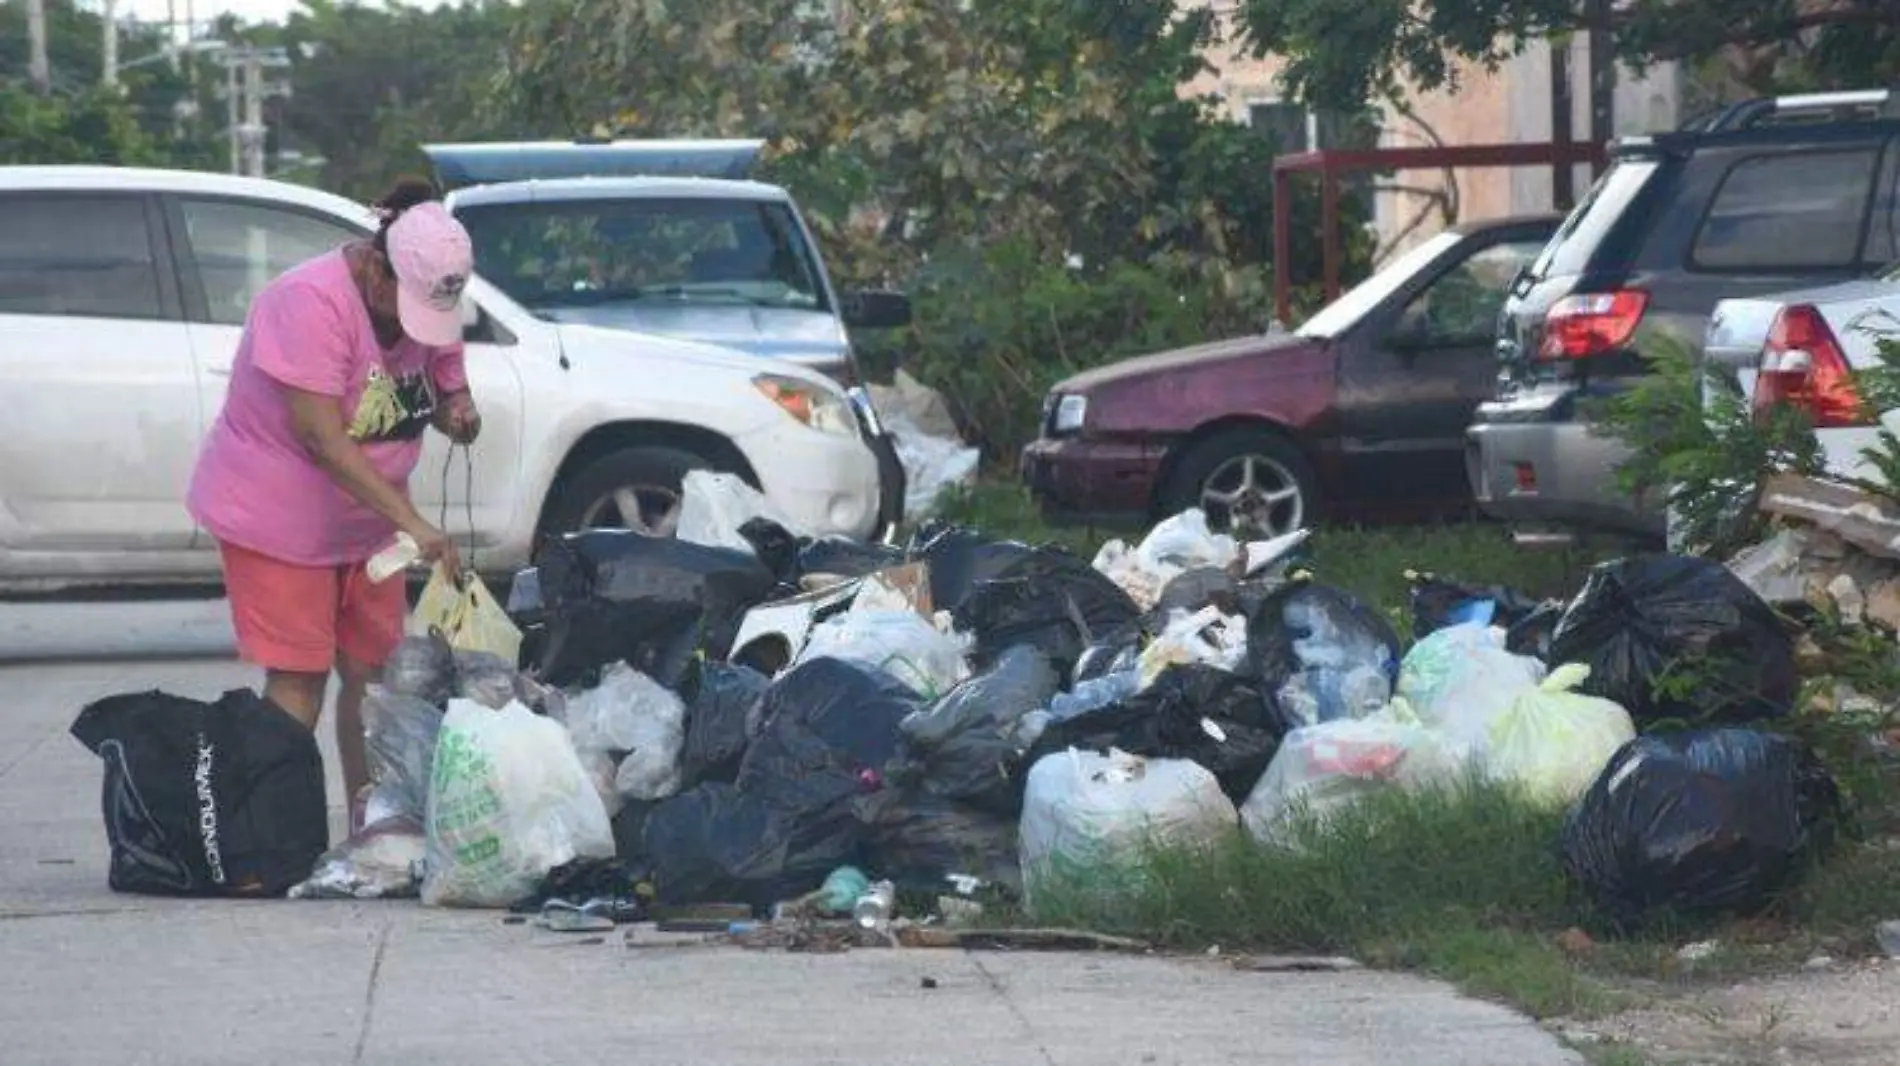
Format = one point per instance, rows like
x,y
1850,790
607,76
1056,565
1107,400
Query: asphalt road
x,y
87,976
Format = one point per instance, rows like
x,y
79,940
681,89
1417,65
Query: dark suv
x,y
1766,196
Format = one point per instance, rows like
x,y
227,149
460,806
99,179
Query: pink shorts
x,y
301,619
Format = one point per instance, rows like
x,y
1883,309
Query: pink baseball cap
x,y
432,257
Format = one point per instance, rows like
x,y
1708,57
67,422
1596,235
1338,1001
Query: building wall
x,y
1508,105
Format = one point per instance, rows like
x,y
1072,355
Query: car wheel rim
x,y
643,509
1253,495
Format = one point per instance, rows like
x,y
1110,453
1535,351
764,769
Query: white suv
x,y
123,293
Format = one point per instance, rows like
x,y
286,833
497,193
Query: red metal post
x,y
1283,245
1329,220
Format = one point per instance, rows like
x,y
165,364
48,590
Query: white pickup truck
x,y
123,293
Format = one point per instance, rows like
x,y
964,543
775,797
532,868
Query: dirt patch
x,y
1845,1014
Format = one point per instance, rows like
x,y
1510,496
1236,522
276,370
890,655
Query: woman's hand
x,y
437,547
458,419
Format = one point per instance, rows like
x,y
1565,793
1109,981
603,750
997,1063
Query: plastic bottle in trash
x,y
1094,694
876,908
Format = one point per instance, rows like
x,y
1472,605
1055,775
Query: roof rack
x,y
1858,105
459,165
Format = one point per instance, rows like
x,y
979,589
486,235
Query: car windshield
x,y
1340,315
582,253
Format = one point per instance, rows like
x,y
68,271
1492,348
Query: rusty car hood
x,y
1197,357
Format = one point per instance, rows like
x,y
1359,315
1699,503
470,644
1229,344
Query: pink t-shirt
x,y
256,486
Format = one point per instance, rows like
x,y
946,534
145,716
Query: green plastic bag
x,y
1553,742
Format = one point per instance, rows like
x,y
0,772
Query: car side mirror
x,y
876,309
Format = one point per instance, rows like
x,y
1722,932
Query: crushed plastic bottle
x,y
1095,694
876,908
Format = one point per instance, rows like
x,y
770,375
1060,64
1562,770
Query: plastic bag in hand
x,y
400,737
1553,742
508,802
467,615
1698,823
639,725
1461,680
899,643
1637,621
1323,654
1325,768
1092,822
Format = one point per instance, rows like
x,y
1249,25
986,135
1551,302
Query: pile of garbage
x,y
746,716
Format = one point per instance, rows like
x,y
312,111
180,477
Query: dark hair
x,y
405,194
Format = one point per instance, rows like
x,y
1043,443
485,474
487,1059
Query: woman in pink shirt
x,y
345,360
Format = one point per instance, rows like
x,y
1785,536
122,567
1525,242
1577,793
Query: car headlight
x,y
1070,413
816,406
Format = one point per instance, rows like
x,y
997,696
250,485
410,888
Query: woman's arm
x,y
319,426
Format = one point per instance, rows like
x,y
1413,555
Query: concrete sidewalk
x,y
87,976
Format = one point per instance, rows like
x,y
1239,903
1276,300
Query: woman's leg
x,y
300,694
369,626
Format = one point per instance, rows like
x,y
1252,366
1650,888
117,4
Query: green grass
x,y
1369,562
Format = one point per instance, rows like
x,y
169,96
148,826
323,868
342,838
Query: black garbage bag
x,y
962,747
715,844
1114,652
206,799
1049,600
630,832
399,734
618,596
775,546
720,698
919,842
846,558
423,667
827,730
606,888
1638,621
1225,722
1439,603
960,560
1321,653
1697,823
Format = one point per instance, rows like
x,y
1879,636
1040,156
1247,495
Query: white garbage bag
x,y
902,644
1554,741
1461,679
636,726
508,802
1179,544
1090,822
1321,769
714,506
932,465
1208,637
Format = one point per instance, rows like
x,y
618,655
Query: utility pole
x,y
109,43
245,91
1602,77
38,70
1563,184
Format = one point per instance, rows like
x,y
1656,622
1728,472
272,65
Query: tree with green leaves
x,y
1368,49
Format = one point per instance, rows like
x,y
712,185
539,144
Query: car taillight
x,y
1802,365
1580,327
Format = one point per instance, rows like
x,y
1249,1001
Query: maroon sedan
x,y
1359,413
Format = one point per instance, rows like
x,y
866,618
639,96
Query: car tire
x,y
1283,488
646,478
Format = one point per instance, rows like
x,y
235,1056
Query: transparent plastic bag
x,y
637,724
1324,768
713,508
1323,653
1554,741
899,643
1461,680
381,861
467,615
508,802
487,679
1091,822
422,666
400,734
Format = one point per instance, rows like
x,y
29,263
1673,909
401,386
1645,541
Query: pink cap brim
x,y
425,324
